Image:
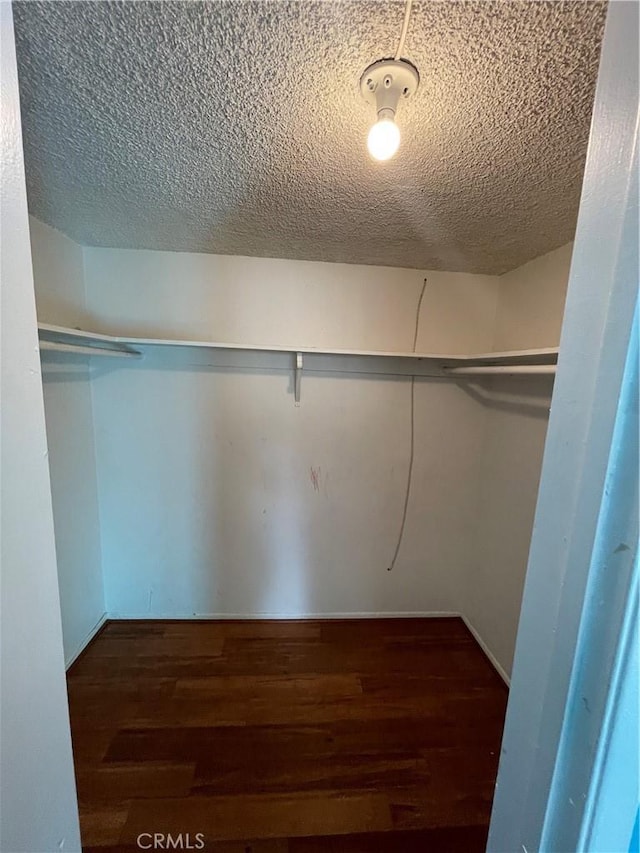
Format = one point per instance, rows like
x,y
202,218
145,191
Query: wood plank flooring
x,y
356,736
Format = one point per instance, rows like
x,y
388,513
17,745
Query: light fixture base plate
x,y
387,81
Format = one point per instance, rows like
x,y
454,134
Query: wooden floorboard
x,y
342,736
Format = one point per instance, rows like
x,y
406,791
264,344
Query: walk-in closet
x,y
296,394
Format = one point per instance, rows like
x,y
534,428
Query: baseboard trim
x,y
83,645
492,658
195,617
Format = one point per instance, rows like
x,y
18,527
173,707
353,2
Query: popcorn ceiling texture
x,y
238,128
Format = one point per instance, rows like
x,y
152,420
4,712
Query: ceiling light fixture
x,y
383,84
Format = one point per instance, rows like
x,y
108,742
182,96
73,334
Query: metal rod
x,y
55,346
297,380
503,369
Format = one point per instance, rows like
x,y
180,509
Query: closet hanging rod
x,y
503,369
55,346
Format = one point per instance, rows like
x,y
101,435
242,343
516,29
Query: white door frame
x,y
558,684
39,809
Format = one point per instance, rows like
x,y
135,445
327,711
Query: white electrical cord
x,y
415,334
403,34
412,441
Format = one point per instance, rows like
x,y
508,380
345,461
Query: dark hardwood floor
x,y
286,737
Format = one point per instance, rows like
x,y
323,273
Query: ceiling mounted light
x,y
383,84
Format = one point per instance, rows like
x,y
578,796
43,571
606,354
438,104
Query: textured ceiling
x,y
238,127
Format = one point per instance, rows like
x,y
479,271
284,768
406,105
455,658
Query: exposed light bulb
x,y
383,139
384,85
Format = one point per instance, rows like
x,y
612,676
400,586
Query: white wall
x,y
530,308
271,301
39,810
531,302
207,494
218,496
59,284
58,276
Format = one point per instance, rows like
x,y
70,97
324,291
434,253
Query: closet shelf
x,y
80,349
123,345
77,342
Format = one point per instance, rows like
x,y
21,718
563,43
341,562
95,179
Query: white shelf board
x,y
546,355
82,349
288,349
59,339
47,331
542,355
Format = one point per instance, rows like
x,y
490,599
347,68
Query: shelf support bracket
x,y
297,378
